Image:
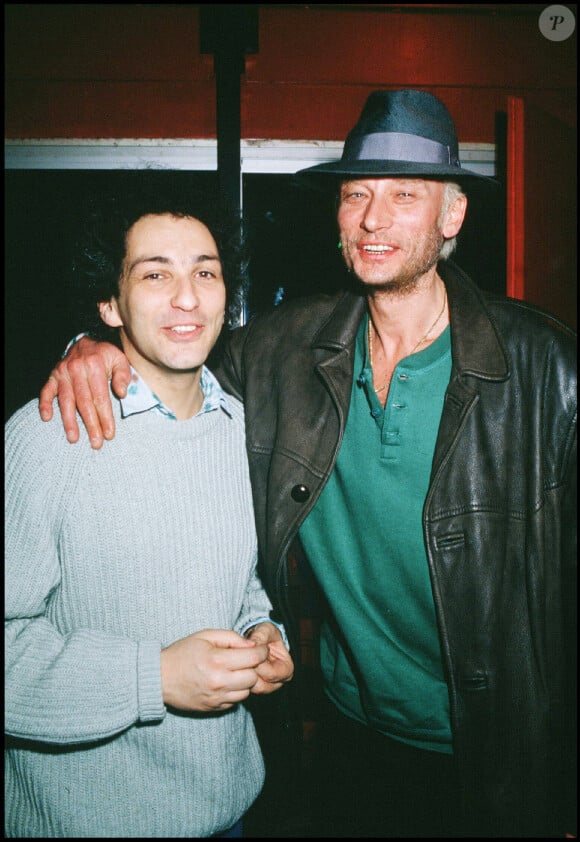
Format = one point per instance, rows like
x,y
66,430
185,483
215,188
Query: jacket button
x,y
300,493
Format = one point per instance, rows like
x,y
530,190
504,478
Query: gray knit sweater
x,y
110,556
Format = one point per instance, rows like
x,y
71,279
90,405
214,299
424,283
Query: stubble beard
x,y
424,256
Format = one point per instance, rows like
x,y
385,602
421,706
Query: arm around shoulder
x,y
80,382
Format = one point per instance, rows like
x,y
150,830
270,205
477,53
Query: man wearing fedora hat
x,y
412,446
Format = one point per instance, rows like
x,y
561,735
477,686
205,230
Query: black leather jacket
x,y
499,522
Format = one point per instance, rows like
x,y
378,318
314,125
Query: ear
x,y
454,217
109,312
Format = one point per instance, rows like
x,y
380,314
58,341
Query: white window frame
x,y
257,156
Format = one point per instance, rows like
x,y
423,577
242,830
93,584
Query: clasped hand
x,y
214,669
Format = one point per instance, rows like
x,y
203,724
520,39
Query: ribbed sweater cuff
x,y
150,696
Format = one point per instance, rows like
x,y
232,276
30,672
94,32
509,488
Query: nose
x,y
184,294
377,214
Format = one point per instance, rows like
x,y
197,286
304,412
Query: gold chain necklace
x,y
411,352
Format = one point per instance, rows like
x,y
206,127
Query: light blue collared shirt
x,y
140,398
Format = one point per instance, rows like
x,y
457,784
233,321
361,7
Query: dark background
x,y
291,233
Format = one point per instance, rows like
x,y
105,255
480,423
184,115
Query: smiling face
x,y
171,302
392,229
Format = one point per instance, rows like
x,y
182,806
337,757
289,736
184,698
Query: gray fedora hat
x,y
402,134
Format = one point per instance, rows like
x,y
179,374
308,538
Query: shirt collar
x,y
140,398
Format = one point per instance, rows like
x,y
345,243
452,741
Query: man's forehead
x,y
394,181
168,225
158,219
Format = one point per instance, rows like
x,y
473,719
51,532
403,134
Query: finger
x,y
265,633
225,701
242,681
226,638
233,698
262,687
47,395
278,652
273,673
82,399
267,674
224,684
276,670
92,371
67,406
240,660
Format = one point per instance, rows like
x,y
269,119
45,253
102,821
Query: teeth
x,y
183,328
377,249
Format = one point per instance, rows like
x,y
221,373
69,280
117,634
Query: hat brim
x,y
397,169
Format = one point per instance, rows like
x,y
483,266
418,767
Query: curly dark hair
x,y
100,249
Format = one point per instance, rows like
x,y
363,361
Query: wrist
x,y
247,630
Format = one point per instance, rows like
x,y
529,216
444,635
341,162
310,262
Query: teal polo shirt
x,y
380,652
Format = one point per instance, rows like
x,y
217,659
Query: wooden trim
x,y
515,198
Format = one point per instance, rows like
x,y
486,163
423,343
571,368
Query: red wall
x,y
135,70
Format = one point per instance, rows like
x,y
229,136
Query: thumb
x,y
120,376
226,639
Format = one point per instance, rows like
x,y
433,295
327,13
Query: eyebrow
x,y
402,180
159,258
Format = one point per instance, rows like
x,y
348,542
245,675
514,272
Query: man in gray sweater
x,y
136,624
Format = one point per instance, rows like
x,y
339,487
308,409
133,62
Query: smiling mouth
x,y
184,328
376,249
